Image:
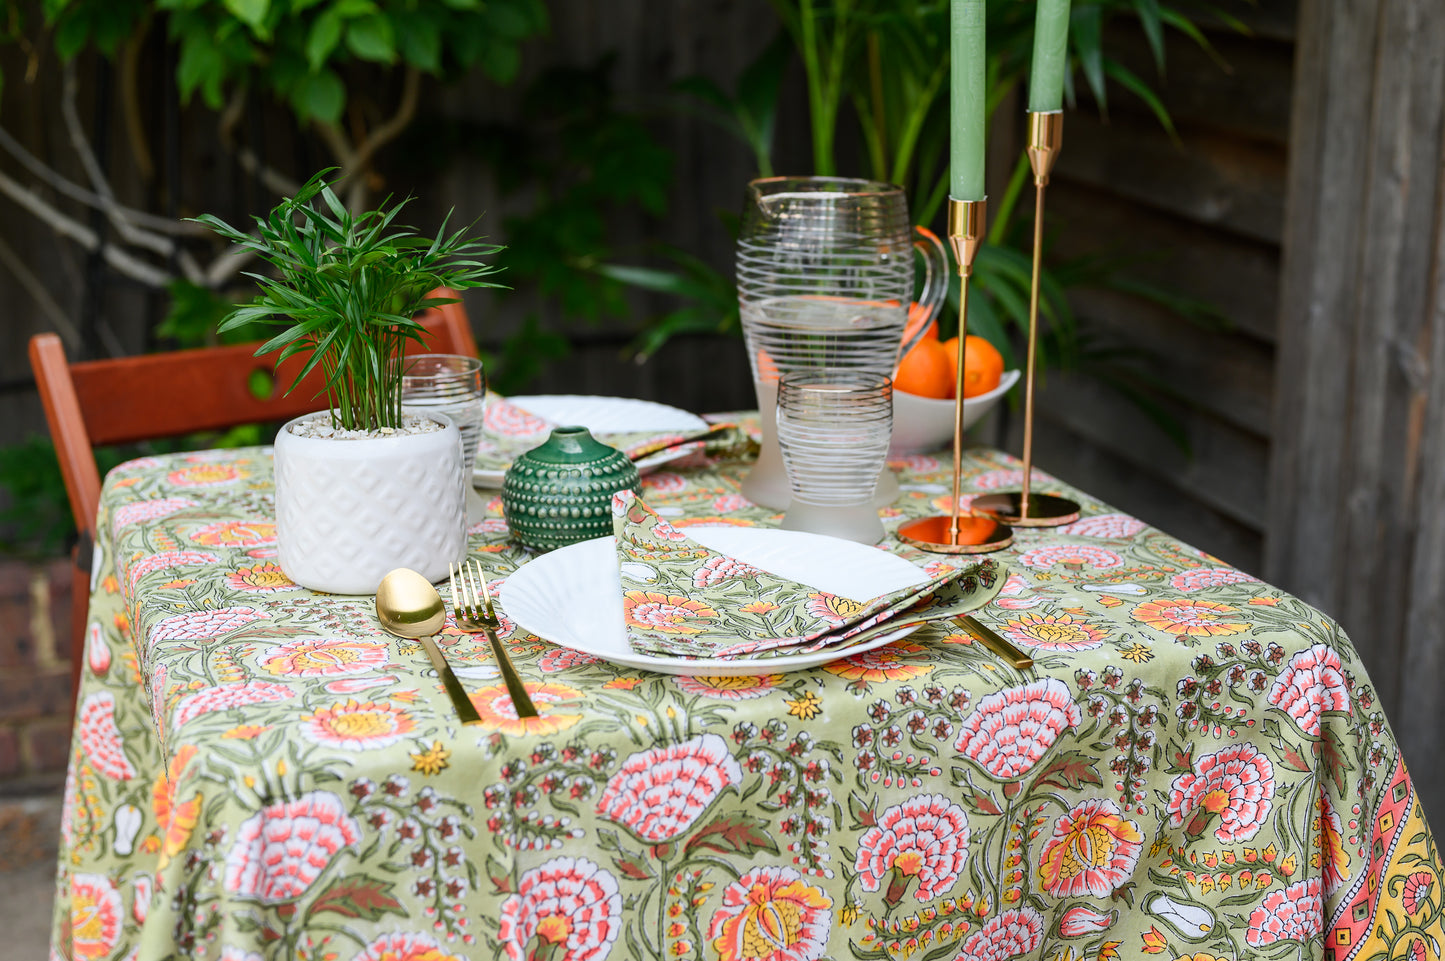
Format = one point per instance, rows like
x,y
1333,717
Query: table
x,y
1195,766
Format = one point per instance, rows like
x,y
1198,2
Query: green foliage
x,y
299,50
576,165
346,292
35,516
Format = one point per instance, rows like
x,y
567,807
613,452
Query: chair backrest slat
x,y
128,399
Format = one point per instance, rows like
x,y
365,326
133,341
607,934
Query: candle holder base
x,y
1045,510
975,535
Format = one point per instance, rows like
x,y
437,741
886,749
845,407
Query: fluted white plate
x,y
573,595
604,415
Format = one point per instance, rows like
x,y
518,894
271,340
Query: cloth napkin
x,y
508,431
681,599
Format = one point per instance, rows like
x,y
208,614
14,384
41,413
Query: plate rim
x,y
733,667
491,478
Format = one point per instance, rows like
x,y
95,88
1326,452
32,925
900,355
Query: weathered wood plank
x,y
1212,179
1355,512
1238,277
1153,497
1321,248
1216,371
1244,89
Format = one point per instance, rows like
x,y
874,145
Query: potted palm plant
x,y
364,486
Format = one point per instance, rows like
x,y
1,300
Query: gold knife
x,y
995,643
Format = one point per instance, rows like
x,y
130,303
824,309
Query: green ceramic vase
x,y
560,492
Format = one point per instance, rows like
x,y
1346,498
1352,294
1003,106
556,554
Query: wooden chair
x,y
129,399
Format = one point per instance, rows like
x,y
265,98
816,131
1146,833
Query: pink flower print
x,y
1416,890
730,688
224,697
1202,577
665,613
567,902
1236,785
358,725
404,946
918,463
719,569
509,420
1009,732
1073,557
1083,920
1093,851
283,848
97,652
562,659
166,560
1112,526
771,914
204,475
128,514
235,534
325,657
831,608
998,480
1311,684
1295,914
660,793
729,503
664,482
1016,595
664,531
141,905
1014,932
100,739
203,625
96,916
925,837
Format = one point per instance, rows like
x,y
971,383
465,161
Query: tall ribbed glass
x,y
824,277
833,429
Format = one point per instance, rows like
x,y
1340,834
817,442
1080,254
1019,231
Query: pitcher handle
x,y
935,284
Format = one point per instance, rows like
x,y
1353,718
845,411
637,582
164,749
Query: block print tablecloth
x,y
1195,767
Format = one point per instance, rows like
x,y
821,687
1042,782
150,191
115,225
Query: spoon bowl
x,y
408,606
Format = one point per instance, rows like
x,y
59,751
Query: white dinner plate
x,y
604,415
573,596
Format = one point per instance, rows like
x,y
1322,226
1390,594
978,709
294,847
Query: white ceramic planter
x,y
349,511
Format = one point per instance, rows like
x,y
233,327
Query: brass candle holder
x,y
1023,508
957,532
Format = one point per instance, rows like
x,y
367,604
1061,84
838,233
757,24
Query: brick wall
x,y
35,697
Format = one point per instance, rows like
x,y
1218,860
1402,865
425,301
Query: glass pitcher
x,y
825,271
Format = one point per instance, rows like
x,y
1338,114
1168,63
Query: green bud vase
x,y
560,492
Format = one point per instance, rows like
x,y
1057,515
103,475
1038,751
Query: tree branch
x,y
65,226
355,161
36,289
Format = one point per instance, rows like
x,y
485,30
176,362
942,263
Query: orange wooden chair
x,y
128,399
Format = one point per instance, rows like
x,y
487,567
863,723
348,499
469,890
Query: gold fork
x,y
475,615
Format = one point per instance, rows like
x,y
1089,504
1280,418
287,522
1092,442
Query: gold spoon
x,y
408,606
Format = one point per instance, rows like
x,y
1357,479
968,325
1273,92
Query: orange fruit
x,y
767,367
925,371
982,364
915,317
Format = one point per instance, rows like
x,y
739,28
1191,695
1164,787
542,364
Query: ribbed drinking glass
x,y
833,430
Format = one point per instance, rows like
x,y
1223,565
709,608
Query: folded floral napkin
x,y
681,599
508,431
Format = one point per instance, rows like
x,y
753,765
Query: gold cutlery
x,y
647,450
995,643
472,600
409,607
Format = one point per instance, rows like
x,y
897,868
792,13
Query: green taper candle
x,y
967,101
1051,56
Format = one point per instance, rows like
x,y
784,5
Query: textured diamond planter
x,y
349,511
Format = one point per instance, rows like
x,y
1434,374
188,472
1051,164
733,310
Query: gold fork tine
x,y
474,576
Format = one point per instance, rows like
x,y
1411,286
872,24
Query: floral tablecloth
x,y
1195,767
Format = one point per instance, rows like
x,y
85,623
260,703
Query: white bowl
x,y
922,425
